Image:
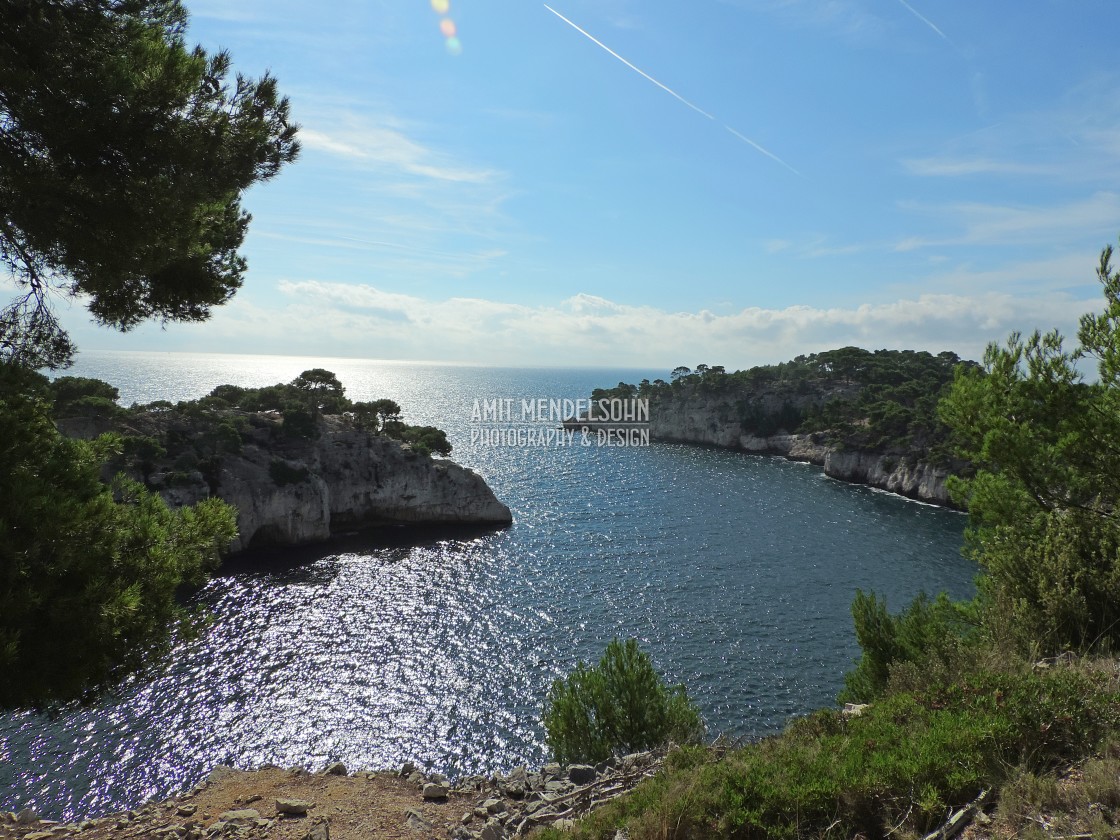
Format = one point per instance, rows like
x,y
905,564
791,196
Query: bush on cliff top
x,y
897,769
619,706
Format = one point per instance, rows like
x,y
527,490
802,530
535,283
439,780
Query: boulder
x,y
417,821
294,807
240,815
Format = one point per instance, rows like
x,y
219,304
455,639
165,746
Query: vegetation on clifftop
x,y
617,707
884,400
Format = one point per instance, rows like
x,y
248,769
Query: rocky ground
x,y
334,805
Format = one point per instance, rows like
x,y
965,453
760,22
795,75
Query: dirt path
x,y
356,807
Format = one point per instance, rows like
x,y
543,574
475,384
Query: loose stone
x,y
294,807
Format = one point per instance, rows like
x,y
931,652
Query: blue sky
x,y
787,176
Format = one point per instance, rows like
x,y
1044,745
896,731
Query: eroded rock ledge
x,y
292,491
346,479
899,473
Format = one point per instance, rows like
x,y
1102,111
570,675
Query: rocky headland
x,y
289,489
864,417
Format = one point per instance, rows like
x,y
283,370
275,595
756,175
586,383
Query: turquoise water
x,y
736,572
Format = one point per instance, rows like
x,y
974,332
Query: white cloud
x,y
334,319
366,143
962,166
1074,141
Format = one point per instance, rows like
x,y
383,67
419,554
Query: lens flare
x,y
447,26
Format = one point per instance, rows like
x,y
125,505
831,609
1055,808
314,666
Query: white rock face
x,y
345,479
716,423
917,480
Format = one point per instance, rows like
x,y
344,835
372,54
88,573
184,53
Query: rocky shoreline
x,y
901,474
295,804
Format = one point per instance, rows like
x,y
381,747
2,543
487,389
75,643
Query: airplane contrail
x,y
764,151
670,91
924,19
641,72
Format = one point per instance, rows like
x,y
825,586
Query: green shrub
x,y
619,706
927,633
78,395
895,770
142,452
300,422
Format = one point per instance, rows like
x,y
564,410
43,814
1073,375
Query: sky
x,y
651,184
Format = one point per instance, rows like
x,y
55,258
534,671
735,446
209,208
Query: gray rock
x,y
240,815
551,770
186,810
294,807
603,766
26,817
319,831
492,831
417,821
407,769
336,769
493,806
434,791
629,762
581,774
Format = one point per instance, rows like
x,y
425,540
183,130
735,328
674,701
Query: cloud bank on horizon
x,y
519,199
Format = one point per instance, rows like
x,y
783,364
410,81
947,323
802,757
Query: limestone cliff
x,y
716,421
292,491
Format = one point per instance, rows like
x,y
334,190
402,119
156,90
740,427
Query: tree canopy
x,y
123,156
88,571
1043,504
